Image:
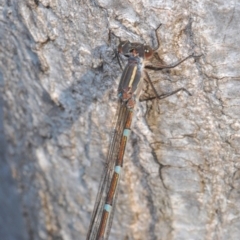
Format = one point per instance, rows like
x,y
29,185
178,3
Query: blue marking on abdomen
x,y
107,207
126,132
118,169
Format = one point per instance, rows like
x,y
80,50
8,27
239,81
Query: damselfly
x,y
129,90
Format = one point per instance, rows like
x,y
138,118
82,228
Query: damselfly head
x,y
143,51
134,48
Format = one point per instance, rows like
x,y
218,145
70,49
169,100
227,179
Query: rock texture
x,y
58,79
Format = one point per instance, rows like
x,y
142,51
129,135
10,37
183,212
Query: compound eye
x,y
123,47
148,52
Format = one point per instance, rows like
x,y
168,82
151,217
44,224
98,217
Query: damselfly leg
x,y
159,68
161,96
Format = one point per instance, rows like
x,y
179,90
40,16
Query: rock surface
x,y
58,79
